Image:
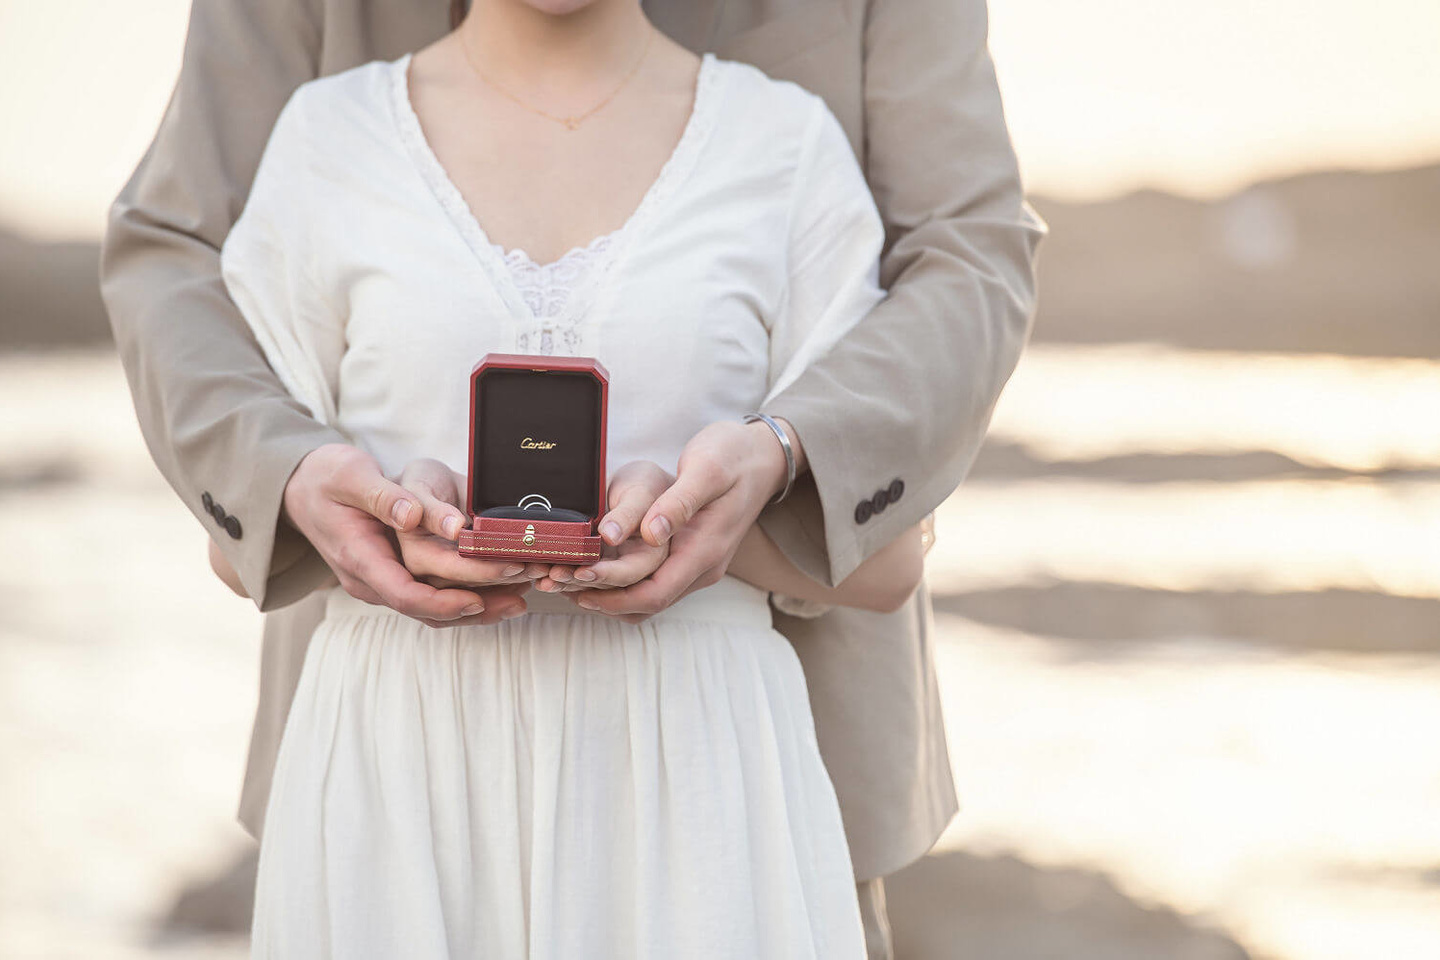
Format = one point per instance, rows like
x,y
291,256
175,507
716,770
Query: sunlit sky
x,y
1103,96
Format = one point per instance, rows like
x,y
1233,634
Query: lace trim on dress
x,y
549,289
566,295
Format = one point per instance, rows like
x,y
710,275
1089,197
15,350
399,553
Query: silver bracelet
x,y
784,445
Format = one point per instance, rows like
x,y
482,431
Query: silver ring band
x,y
785,446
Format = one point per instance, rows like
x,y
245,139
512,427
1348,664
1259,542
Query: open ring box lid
x,y
537,437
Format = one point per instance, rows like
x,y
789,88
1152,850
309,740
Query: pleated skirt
x,y
554,787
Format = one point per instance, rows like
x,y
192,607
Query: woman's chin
x,y
559,8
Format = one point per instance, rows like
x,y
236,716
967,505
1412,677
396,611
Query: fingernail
x,y
473,609
512,614
584,576
660,529
451,526
401,511
610,530
587,603
512,570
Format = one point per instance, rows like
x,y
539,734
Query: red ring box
x,y
537,427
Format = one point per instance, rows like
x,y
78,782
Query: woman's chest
x,y
544,184
552,192
679,314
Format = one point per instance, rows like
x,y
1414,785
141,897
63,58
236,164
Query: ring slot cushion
x,y
537,427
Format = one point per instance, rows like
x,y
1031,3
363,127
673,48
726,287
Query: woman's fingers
x,y
633,489
634,561
708,469
726,469
440,518
695,559
434,487
429,556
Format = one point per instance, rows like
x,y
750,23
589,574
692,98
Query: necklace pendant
x,y
571,123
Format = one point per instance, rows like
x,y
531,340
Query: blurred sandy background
x,y
1188,600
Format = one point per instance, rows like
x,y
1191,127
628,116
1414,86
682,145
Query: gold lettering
x,y
530,443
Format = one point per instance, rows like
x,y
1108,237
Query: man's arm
x,y
218,423
893,415
248,459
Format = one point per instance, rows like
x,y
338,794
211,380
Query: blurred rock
x,y
1325,262
1008,461
218,904
50,294
956,906
1108,619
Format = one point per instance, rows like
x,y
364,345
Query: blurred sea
x,y
1192,712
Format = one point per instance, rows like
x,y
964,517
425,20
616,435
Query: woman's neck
x,y
548,53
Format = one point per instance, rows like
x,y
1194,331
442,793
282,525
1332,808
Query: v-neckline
x,y
491,256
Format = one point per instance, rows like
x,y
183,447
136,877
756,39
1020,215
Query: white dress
x,y
562,785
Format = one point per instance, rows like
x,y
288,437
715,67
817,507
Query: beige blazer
x,y
891,418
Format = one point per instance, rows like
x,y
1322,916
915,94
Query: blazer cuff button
x,y
232,527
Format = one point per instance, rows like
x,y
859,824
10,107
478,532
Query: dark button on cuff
x,y
232,527
897,489
218,512
208,502
880,501
863,510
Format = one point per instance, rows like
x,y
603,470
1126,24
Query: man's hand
x,y
727,473
633,490
339,500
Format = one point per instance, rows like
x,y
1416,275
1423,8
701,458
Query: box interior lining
x,y
537,432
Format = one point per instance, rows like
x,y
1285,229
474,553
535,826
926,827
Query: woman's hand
x,y
633,490
428,549
225,571
727,473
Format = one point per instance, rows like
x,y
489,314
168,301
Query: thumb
x,y
632,491
433,477
698,483
433,484
360,484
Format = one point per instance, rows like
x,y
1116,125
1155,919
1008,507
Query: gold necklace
x,y
573,121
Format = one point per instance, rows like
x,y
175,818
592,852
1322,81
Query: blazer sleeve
x,y
218,422
896,409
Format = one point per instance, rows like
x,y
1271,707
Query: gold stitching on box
x,y
509,549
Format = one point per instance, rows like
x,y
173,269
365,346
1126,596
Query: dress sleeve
x,y
834,245
268,263
835,240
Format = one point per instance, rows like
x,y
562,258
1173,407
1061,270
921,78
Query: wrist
x,y
797,448
773,468
295,498
292,499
